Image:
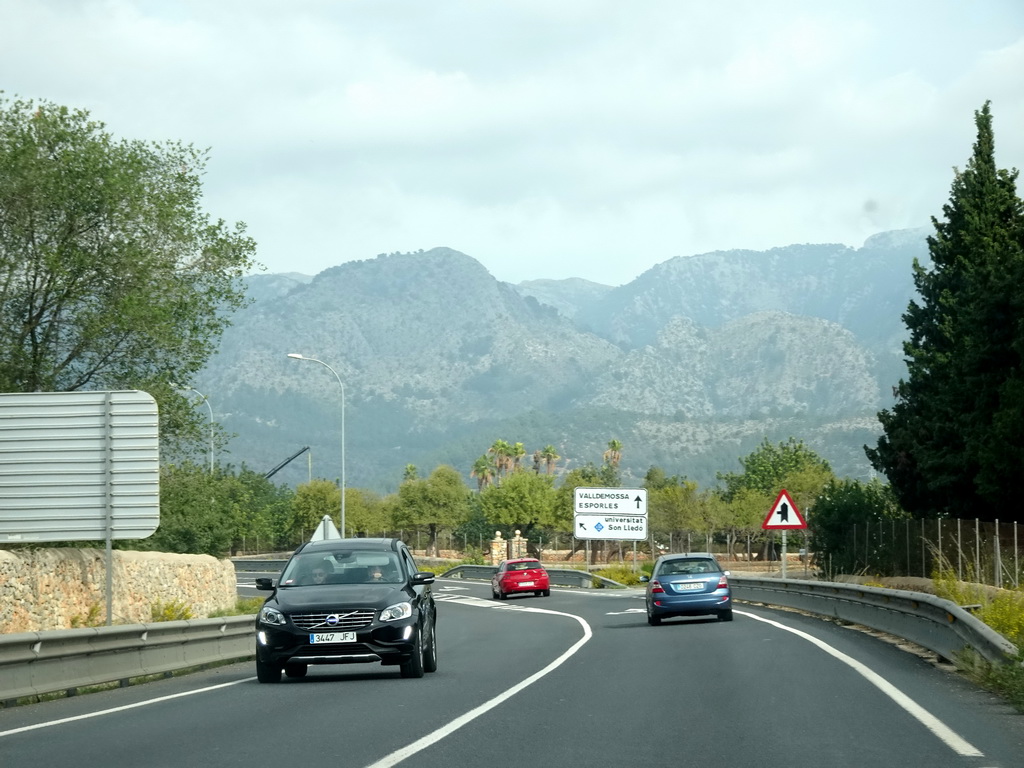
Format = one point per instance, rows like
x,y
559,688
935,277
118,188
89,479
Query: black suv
x,y
347,601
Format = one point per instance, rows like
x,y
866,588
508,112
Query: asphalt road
x,y
574,680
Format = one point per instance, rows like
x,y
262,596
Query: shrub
x,y
1006,680
172,611
1004,612
620,573
244,606
91,619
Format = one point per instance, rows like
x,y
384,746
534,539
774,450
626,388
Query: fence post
x,y
908,546
977,549
998,567
924,568
959,551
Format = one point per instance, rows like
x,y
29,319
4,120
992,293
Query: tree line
x,y
113,277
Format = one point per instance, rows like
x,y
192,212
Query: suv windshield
x,y
342,567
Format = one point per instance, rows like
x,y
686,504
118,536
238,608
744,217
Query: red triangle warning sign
x,y
784,515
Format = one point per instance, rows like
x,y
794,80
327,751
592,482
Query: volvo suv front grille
x,y
341,620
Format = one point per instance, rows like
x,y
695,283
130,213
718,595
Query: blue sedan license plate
x,y
332,637
690,586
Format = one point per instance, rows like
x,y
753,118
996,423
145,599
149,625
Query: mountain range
x,y
690,366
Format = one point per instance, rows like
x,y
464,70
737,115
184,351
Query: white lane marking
x,y
431,738
953,740
121,709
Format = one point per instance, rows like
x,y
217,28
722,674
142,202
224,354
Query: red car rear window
x,y
524,566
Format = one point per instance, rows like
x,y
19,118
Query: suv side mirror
x,y
423,577
265,583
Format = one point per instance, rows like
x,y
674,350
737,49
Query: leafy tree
x,y
256,508
770,467
522,501
715,514
438,501
111,276
672,507
314,500
476,529
365,513
742,516
191,520
218,513
842,508
953,443
656,478
525,501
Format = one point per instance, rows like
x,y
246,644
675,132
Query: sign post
x,y
784,516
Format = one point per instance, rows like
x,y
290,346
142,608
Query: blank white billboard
x,y
78,466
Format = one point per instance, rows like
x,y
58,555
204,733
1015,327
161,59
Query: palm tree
x,y
411,473
483,471
550,456
516,455
614,453
502,453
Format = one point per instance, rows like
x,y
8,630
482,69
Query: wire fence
x,y
977,551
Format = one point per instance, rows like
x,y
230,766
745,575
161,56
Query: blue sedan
x,y
688,585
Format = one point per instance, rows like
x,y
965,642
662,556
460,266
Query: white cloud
x,y
581,138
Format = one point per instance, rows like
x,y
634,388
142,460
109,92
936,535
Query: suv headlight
x,y
396,612
271,616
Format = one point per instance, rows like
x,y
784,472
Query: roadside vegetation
x,y
1001,609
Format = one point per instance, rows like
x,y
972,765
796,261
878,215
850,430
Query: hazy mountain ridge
x,y
438,359
568,296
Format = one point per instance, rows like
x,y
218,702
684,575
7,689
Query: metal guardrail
x,y
34,663
939,625
247,565
929,621
559,577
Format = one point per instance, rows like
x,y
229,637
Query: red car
x,y
524,574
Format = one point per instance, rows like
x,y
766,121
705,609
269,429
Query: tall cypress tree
x,y
944,443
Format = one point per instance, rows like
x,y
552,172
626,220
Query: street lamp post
x,y
207,401
297,356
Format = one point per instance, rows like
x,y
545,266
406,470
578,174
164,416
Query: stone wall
x,y
43,589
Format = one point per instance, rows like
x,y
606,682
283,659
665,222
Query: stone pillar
x,y
499,548
518,548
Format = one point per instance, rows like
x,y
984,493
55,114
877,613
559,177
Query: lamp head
x,y
296,355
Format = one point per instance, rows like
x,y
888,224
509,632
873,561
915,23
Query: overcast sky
x,y
544,138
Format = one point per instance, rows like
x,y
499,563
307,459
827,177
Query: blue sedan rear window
x,y
688,567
